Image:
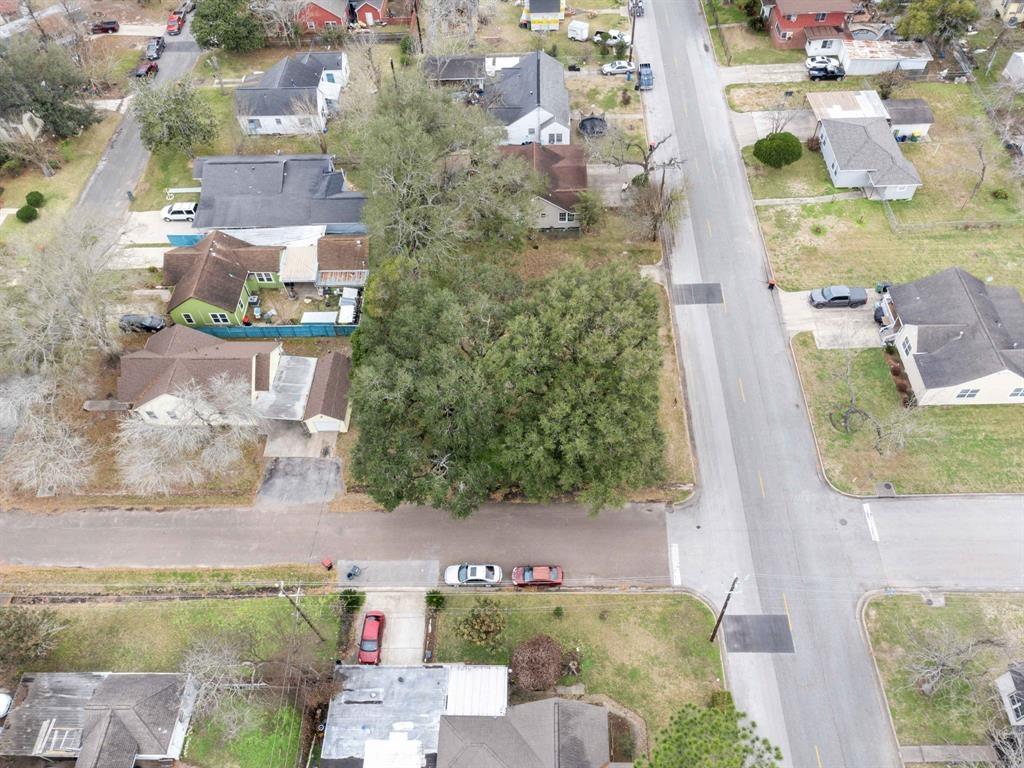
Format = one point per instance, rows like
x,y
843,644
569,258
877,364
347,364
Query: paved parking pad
x,y
389,573
300,481
405,619
758,634
834,327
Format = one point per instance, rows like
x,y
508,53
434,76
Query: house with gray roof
x,y
862,152
97,719
1011,692
276,199
293,97
528,96
961,340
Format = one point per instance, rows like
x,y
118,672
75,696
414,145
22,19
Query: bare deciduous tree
x,y
36,150
312,121
652,206
280,18
450,20
215,421
622,150
1008,744
982,168
939,658
225,680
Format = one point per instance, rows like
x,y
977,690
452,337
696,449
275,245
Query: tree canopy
x,y
942,20
778,149
227,24
699,737
43,79
173,116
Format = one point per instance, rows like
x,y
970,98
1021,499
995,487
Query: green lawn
x,y
271,741
960,715
807,177
958,450
648,652
728,13
748,47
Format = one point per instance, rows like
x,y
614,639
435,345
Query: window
x,y
151,415
1017,392
330,25
827,43
187,317
328,76
310,25
791,17
563,216
554,138
820,16
532,131
264,277
1017,705
172,416
65,739
219,318
967,394
778,29
277,121
906,346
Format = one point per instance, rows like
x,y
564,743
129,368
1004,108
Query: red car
x,y
537,576
175,24
146,69
372,637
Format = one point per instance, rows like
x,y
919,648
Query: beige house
x,y
961,341
563,168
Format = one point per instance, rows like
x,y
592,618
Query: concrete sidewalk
x,y
768,201
948,753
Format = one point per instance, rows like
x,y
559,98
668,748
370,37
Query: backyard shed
x,y
1014,69
872,57
909,118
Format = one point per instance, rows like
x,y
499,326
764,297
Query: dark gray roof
x,y
118,716
551,733
454,68
867,144
1017,676
273,191
965,329
268,102
537,80
908,111
283,88
544,6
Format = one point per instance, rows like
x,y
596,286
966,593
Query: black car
x,y
154,49
143,323
103,27
835,72
838,296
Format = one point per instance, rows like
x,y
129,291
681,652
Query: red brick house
x,y
324,14
369,12
788,20
319,15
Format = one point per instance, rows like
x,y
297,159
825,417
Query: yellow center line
x,y
817,754
760,481
785,606
743,395
725,304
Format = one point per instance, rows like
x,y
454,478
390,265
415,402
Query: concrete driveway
x,y
607,180
751,126
833,328
405,617
289,440
295,482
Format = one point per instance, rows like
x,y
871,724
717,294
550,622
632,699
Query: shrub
x,y
818,229
559,612
589,210
35,199
435,600
620,49
536,664
406,50
756,24
27,636
12,167
553,51
778,149
351,600
814,144
752,8
721,700
625,97
998,194
484,624
27,213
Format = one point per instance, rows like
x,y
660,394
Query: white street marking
x,y
677,575
872,529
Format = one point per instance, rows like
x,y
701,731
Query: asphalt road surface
x,y
124,161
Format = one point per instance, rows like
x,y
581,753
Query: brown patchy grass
x,y
756,97
602,94
648,652
962,714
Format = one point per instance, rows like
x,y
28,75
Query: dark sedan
x,y
832,72
838,296
154,49
104,27
146,69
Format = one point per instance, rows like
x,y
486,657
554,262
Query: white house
x,y
563,168
1014,69
542,15
872,57
907,118
961,341
823,40
294,96
29,126
527,95
1011,691
862,153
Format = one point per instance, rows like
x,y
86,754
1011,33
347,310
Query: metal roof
x,y
477,690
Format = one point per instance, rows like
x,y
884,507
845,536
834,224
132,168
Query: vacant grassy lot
x,y
602,93
730,13
649,652
807,177
957,449
960,715
672,410
78,158
755,97
503,34
748,47
270,741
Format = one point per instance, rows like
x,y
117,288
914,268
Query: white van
x,y
579,30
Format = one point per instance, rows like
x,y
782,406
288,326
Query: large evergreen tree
x,y
227,24
717,737
43,79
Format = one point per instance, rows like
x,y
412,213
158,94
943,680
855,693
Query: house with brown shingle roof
x,y
563,171
282,387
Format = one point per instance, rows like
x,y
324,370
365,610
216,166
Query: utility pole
x,y
295,604
419,31
632,35
721,614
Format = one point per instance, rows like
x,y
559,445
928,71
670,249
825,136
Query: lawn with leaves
x,y
747,47
807,177
648,652
960,714
957,449
271,740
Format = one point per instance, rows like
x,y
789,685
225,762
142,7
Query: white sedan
x,y
820,62
467,575
179,211
618,68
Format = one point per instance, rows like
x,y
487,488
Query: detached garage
x,y
872,57
327,407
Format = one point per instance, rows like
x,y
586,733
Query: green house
x,y
214,279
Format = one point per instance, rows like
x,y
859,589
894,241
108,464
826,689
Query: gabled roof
x,y
214,269
288,87
965,328
454,68
261,191
378,4
909,111
328,394
543,6
177,355
120,715
867,144
564,166
798,7
337,8
538,80
254,101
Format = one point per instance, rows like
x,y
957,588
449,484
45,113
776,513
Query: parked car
x,y
154,48
838,296
141,323
146,69
645,77
879,313
833,72
820,62
104,27
186,7
175,24
179,211
537,576
467,575
613,36
371,638
618,68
